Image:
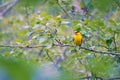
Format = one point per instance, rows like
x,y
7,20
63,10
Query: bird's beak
x,y
75,32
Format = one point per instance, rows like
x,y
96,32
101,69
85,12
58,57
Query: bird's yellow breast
x,y
77,39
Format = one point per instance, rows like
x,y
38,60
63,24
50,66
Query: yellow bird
x,y
77,39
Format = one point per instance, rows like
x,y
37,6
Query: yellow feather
x,y
77,39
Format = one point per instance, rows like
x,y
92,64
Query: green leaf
x,y
104,7
29,2
41,39
89,56
49,46
82,4
109,41
87,2
73,51
17,68
116,28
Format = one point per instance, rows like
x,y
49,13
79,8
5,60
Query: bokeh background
x,y
36,39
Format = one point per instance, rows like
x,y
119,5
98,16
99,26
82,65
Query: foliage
x,y
45,23
16,68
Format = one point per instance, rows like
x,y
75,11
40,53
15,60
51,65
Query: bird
x,y
77,38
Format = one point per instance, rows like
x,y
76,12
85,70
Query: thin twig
x,y
63,8
58,41
27,15
114,40
49,56
40,52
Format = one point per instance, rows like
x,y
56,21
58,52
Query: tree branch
x,y
60,57
18,46
63,45
89,77
4,5
102,52
100,78
8,8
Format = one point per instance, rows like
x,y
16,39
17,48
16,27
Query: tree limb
x,y
100,78
60,57
8,8
63,45
18,46
4,5
89,77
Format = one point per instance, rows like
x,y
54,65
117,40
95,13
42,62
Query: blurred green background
x,y
30,29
